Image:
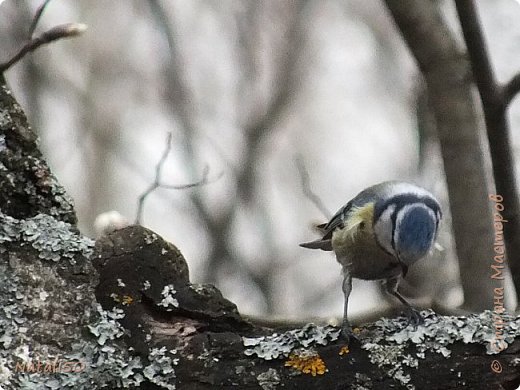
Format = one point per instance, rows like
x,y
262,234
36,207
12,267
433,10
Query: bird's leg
x,y
346,329
414,316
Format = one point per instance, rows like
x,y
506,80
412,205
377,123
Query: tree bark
x,y
218,349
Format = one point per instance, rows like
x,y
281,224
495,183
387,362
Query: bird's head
x,y
405,225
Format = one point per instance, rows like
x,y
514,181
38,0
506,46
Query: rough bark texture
x,y
447,73
216,348
157,330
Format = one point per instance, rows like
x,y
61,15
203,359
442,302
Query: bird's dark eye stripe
x,y
402,200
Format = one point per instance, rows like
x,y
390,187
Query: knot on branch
x,y
148,279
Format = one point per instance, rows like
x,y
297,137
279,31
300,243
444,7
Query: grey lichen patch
x,y
110,357
60,296
103,361
13,323
3,145
278,345
21,366
269,380
52,238
99,363
107,327
438,332
5,118
388,340
392,358
362,382
169,302
151,238
34,354
160,370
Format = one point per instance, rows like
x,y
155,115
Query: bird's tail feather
x,y
324,245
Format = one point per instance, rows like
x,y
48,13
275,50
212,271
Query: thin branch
x,y
157,180
477,49
36,19
68,30
256,130
511,89
306,187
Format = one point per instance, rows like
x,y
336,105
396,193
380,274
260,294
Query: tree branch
x,y
511,89
36,19
257,129
157,183
68,30
478,52
494,103
446,72
148,280
307,190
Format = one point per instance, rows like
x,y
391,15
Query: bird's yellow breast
x,y
357,227
356,247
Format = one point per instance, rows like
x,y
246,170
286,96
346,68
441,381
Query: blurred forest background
x,y
273,97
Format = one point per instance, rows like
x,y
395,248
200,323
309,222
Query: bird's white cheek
x,y
383,234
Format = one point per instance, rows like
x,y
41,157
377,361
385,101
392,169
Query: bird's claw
x,y
414,318
347,334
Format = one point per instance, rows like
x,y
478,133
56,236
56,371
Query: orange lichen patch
x,y
344,350
307,362
124,299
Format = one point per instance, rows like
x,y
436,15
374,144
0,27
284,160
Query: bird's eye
x,y
362,225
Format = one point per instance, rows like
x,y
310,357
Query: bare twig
x,y
68,30
307,190
157,180
257,128
36,19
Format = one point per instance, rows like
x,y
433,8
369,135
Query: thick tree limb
x,y
147,278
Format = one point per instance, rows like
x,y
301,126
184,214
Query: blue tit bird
x,y
379,234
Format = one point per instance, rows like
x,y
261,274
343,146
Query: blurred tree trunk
x,y
447,73
495,100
